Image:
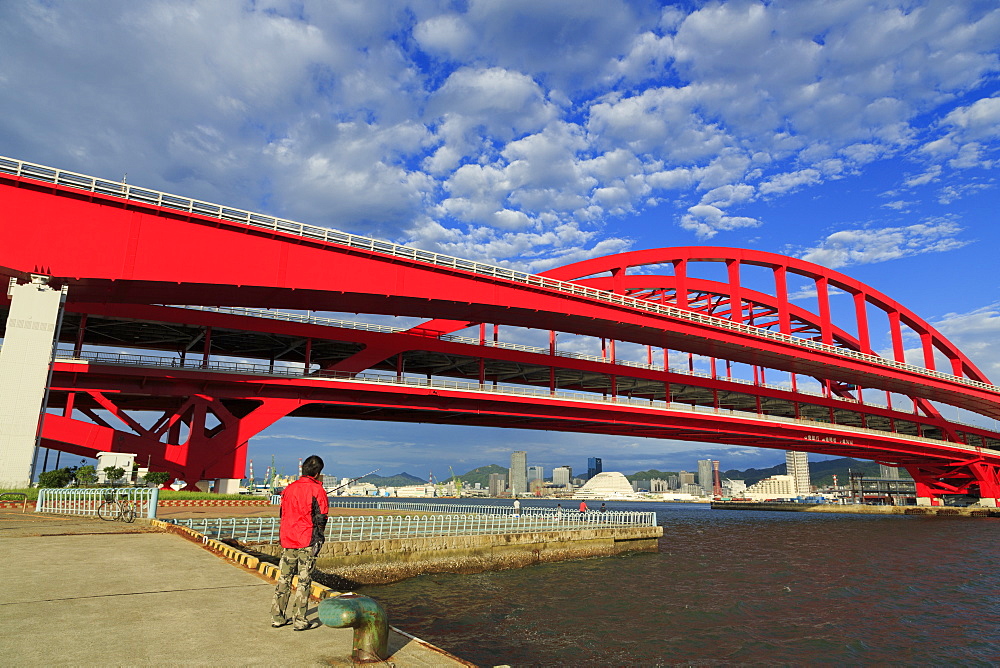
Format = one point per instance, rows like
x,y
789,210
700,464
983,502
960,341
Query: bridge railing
x,y
489,343
73,501
197,207
353,528
249,368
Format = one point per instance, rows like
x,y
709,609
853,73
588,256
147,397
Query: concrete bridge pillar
x,y
227,486
25,361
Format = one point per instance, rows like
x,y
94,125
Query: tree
x,y
113,473
56,478
86,475
157,478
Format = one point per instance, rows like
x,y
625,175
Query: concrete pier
x,y
392,560
83,592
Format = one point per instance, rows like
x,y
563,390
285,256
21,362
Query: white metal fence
x,y
87,501
342,529
471,508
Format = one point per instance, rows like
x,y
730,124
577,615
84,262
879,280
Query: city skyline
x,y
858,135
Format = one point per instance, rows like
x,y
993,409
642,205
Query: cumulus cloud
x,y
509,122
706,221
975,333
867,246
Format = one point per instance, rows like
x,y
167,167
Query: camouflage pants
x,y
294,561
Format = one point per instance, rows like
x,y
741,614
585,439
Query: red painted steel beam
x,y
344,398
150,255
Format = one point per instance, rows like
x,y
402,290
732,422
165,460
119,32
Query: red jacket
x,y
303,513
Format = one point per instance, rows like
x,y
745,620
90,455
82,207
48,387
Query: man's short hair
x,y
312,466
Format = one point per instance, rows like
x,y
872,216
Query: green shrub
x,y
56,478
86,475
113,473
157,478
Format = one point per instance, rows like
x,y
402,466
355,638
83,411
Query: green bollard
x,y
366,617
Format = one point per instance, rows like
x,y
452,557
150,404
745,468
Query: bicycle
x,y
117,507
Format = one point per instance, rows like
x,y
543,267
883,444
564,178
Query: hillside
x,y
398,480
482,475
651,474
821,473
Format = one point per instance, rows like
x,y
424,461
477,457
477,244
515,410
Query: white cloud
x,y
783,183
867,246
976,333
494,117
706,221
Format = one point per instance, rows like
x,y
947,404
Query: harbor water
x,y
732,587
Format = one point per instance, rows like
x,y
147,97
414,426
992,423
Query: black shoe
x,y
308,625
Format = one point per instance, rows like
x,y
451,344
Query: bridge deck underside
x,y
491,365
158,389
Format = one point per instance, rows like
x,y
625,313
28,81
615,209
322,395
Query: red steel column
x,y
861,317
207,349
735,291
781,292
927,343
680,283
823,297
896,330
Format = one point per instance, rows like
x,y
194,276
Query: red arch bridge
x,y
183,328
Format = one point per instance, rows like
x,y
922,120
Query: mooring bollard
x,y
366,617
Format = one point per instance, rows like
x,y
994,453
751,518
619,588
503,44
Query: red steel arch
x,y
123,252
677,289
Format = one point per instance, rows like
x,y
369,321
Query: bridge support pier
x,y
25,360
227,486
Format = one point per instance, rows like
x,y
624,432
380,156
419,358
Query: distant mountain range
x,y
821,473
480,475
398,480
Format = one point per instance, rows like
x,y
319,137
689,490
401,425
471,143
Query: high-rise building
x,y
797,465
518,472
685,478
561,475
594,466
705,475
535,473
498,484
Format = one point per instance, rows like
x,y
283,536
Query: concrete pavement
x,y
83,592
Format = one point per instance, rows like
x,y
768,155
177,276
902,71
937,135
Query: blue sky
x,y
860,135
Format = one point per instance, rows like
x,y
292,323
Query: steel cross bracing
x,y
124,251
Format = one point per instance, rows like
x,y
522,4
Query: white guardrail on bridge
x,y
352,528
87,501
196,207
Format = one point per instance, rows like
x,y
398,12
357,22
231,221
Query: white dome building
x,y
607,485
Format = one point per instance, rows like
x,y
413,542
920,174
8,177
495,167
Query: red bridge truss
x,y
171,346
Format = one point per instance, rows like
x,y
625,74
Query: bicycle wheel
x,y
109,511
128,512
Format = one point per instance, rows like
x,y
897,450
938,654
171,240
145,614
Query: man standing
x,y
303,512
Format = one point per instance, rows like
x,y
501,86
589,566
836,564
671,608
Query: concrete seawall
x,y
392,560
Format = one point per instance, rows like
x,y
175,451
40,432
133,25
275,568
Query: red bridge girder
x,y
121,255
